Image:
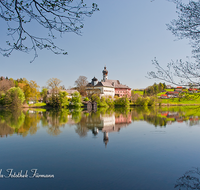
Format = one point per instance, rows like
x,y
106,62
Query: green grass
x,y
182,101
39,110
39,104
159,94
138,92
167,90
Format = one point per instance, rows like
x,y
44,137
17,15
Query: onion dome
x,y
94,79
105,71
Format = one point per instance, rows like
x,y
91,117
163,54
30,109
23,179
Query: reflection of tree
x,y
151,116
76,115
80,119
122,111
30,124
81,127
190,180
11,121
54,119
5,129
155,120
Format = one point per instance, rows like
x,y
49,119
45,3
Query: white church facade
x,y
106,87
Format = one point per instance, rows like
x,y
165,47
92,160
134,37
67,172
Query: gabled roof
x,y
172,92
107,84
111,81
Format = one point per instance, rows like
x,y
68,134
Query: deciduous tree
x,y
54,83
81,83
56,16
187,25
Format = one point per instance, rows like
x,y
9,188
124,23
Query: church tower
x,y
105,74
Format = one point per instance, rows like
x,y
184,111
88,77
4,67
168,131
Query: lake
x,y
140,148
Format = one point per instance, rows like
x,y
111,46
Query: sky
x,y
124,36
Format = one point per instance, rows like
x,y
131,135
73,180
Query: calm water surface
x,y
122,149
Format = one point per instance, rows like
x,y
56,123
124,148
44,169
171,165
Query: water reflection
x,y
190,180
24,122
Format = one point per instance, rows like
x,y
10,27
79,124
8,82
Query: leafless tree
x,y
54,84
5,85
177,72
57,16
187,25
81,83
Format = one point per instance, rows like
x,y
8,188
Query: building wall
x,y
108,91
104,91
123,92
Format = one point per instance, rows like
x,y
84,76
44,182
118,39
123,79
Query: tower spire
x,y
105,74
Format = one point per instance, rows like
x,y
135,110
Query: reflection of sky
x,y
138,157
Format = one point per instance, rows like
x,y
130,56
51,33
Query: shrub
x,y
86,99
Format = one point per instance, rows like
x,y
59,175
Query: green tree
x,y
76,99
43,94
14,97
63,99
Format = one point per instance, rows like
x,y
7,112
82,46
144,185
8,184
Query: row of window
x,y
122,91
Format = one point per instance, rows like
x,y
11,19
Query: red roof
x,y
179,87
172,92
193,89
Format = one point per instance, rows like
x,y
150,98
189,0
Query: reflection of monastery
x,y
107,87
108,123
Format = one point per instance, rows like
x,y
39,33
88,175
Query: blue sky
x,y
124,35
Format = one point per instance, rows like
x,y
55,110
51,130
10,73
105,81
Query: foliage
x,y
124,101
95,98
142,101
30,89
134,96
76,99
59,100
56,16
102,102
86,99
14,97
54,101
63,99
110,102
154,89
81,83
43,94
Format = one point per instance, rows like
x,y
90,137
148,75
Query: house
x,y
192,90
69,92
178,89
172,94
164,96
107,87
168,86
